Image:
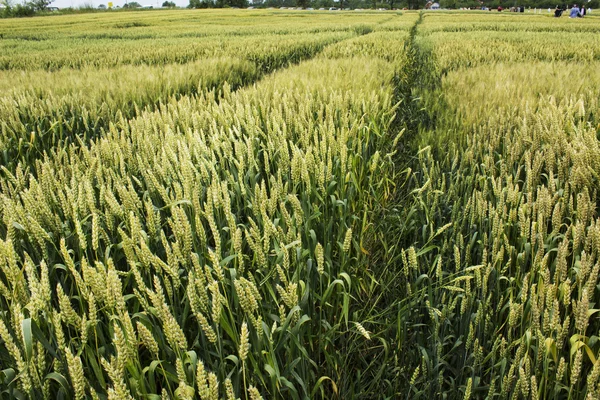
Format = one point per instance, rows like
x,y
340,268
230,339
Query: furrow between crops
x,y
383,369
490,232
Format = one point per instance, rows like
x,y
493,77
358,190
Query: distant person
x,y
583,11
558,12
522,9
499,9
574,12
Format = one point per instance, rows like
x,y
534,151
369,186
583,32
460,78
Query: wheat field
x,y
257,204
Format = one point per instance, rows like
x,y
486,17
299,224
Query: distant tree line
x,y
366,4
29,8
16,9
494,4
397,4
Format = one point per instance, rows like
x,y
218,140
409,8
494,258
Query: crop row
x,y
501,280
210,247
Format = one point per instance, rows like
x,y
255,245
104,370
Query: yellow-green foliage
x,y
382,44
68,78
506,22
467,41
110,39
509,176
204,247
265,204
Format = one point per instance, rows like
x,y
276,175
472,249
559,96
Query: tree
x,y
201,4
40,5
132,4
169,4
415,4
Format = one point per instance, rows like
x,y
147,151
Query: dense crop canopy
x,y
263,204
